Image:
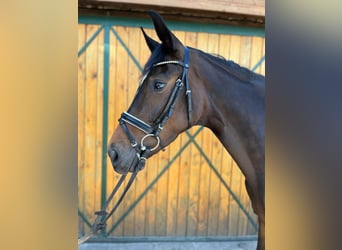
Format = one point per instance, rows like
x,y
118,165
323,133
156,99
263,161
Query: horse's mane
x,y
233,68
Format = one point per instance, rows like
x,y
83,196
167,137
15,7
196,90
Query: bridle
x,y
152,131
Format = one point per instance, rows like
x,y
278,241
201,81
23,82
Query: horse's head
x,y
148,126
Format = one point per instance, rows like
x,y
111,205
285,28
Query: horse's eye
x,y
159,85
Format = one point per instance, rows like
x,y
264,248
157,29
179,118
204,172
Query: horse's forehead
x,y
157,55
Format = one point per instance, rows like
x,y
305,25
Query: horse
x,y
182,87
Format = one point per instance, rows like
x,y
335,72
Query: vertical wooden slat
x,y
224,46
161,211
241,217
235,183
245,51
234,54
151,197
90,122
173,183
256,52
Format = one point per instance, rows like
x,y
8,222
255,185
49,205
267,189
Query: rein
x,y
150,131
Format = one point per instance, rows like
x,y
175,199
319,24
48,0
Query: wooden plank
x,y
215,186
133,44
248,7
224,195
162,193
173,184
235,183
224,46
241,216
205,185
151,197
256,52
245,51
90,123
235,44
194,192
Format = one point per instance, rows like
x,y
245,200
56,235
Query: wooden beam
x,y
248,13
247,7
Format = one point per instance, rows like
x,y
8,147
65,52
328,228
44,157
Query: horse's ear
x,y
152,44
169,40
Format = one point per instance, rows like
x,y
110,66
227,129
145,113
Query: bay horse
x,y
182,87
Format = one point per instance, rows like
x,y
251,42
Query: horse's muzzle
x,y
123,160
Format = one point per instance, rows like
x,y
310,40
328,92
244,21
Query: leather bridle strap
x,y
166,113
102,216
187,84
183,79
127,117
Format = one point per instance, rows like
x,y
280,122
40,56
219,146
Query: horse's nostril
x,y
113,155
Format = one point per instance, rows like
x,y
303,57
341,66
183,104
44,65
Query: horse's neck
x,y
233,110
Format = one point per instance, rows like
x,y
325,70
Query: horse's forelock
x,y
158,55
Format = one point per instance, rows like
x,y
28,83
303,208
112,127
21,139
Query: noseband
x,y
153,131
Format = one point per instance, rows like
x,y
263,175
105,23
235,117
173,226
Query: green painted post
x,y
106,55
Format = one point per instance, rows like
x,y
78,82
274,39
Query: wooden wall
x,y
188,199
